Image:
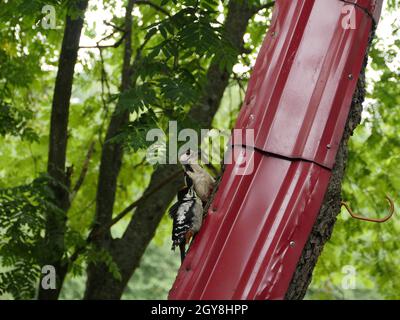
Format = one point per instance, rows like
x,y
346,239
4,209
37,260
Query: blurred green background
x,y
370,250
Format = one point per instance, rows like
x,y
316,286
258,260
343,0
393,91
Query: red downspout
x,y
297,103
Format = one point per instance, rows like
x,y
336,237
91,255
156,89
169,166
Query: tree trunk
x,y
128,251
326,219
110,164
56,222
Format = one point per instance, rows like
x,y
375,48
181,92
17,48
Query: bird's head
x,y
189,157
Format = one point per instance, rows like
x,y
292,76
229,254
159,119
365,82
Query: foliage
x,y
23,49
171,56
169,69
370,174
14,122
151,281
22,219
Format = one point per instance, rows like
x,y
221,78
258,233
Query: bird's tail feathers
x,y
182,248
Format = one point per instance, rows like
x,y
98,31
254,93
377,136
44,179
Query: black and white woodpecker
x,y
203,182
187,215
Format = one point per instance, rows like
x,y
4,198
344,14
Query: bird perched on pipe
x,y
203,182
187,215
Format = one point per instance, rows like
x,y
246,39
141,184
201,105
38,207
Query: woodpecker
x,y
203,182
187,215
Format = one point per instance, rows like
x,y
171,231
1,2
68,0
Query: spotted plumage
x,y
187,215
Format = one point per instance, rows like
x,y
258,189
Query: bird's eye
x,y
188,152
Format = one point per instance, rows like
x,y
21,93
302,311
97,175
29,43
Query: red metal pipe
x,y
297,103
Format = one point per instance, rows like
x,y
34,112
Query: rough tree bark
x,y
128,250
326,219
56,222
111,161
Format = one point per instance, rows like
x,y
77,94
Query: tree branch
x,y
96,233
104,84
239,82
154,6
83,173
118,28
56,224
110,163
267,5
133,205
98,46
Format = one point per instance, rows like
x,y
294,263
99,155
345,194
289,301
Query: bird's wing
x,y
173,211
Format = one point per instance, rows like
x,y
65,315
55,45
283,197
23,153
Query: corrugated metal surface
x,y
300,91
297,102
246,238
